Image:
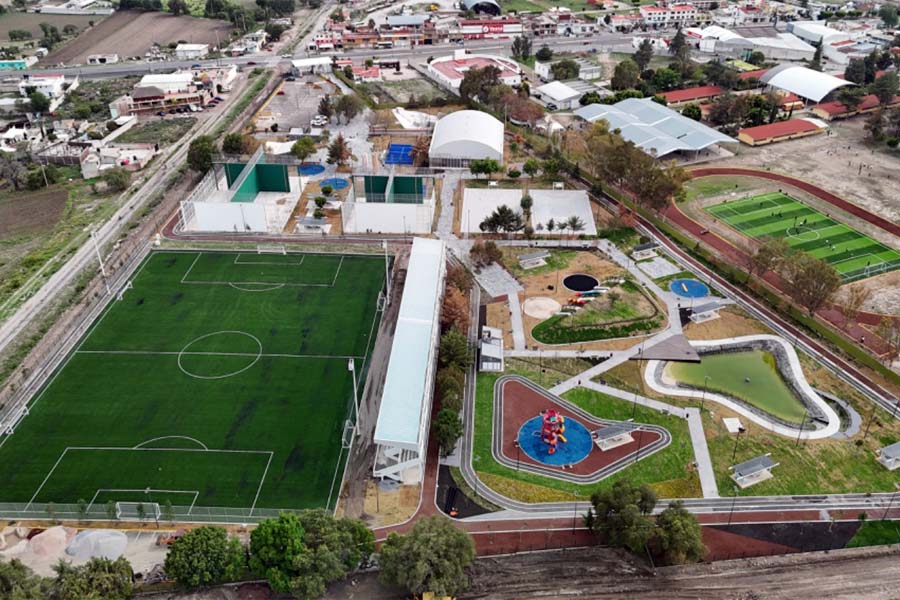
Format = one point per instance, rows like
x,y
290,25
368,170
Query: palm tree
x,y
575,224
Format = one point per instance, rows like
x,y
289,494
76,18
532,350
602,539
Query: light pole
x,y
100,260
574,511
351,366
890,502
803,424
733,502
736,438
518,451
387,274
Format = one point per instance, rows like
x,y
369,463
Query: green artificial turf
x,y
853,255
750,376
876,533
228,370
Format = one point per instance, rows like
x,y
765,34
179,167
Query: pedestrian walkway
x,y
515,317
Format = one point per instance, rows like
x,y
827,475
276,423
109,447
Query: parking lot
x,y
295,104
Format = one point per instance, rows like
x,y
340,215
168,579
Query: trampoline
x,y
579,282
688,288
399,154
335,182
310,169
574,450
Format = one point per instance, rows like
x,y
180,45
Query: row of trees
x,y
484,86
620,516
454,358
98,579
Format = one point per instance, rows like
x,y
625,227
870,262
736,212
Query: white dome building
x,y
464,136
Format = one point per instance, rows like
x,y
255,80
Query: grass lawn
x,y
706,187
749,376
217,381
521,6
876,533
559,259
162,131
854,255
666,471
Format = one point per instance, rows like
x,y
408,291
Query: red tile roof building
x,y
780,131
835,110
694,94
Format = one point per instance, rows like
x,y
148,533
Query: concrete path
x,y
515,317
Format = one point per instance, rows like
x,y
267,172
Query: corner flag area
x,y
217,381
853,255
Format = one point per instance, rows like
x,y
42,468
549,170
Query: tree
x,y
98,579
526,203
531,167
233,143
303,148
886,87
454,350
484,166
856,298
692,111
718,74
813,281
178,7
521,48
545,54
575,224
855,71
338,151
12,170
678,536
18,582
757,58
200,153
816,63
565,69
477,82
420,151
768,256
459,277
302,554
888,14
448,428
485,253
455,310
621,514
677,43
666,79
117,179
205,556
625,75
432,557
851,97
39,102
503,220
325,108
643,54
348,106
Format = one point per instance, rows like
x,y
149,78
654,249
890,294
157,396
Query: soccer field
x,y
854,255
218,380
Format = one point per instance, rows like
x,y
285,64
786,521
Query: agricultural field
x,y
218,380
32,22
160,131
131,34
854,255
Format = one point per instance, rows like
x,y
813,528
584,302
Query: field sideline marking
x,y
190,268
234,284
166,353
237,261
122,448
171,437
261,482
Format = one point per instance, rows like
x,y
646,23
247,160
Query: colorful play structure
x,y
553,426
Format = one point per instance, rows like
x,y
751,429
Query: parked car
x,y
280,93
551,106
251,63
196,66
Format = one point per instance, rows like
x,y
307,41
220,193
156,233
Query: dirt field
x,y
31,22
833,162
27,212
131,34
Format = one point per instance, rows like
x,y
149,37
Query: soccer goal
x,y
138,511
347,436
8,425
124,289
271,249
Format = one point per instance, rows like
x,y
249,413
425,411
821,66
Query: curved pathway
x,y
834,421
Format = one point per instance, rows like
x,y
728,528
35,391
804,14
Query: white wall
x,y
227,216
361,217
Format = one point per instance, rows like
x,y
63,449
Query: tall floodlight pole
x,y
351,366
387,272
100,260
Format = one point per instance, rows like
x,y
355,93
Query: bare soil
x,y
29,212
732,322
132,34
32,22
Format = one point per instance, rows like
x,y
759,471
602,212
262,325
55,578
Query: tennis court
x,y
854,255
219,380
399,154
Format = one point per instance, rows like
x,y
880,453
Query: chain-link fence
x,y
108,512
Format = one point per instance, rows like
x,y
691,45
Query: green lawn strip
x,y
126,385
749,376
666,468
162,132
876,533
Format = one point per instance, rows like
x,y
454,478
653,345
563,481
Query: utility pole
x,y
351,366
387,274
100,260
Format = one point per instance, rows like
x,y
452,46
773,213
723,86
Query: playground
x,y
181,390
855,256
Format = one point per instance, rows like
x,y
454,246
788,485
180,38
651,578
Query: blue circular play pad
x,y
577,446
689,288
310,169
335,182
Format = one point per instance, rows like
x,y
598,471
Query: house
x,y
889,456
366,74
587,70
780,131
490,350
703,93
52,86
311,66
102,59
132,157
559,95
191,51
830,111
670,16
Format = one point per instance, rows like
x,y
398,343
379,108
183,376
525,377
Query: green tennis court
x,y
854,255
218,380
